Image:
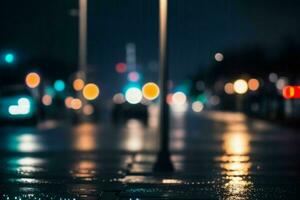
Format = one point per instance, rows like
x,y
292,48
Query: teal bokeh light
x,y
50,91
17,107
131,85
59,85
202,98
9,58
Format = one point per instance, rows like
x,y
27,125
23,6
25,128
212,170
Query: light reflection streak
x,y
25,143
235,163
84,169
134,139
153,113
29,161
85,137
171,181
236,143
26,166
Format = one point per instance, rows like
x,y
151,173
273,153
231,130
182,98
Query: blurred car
x,y
125,111
17,105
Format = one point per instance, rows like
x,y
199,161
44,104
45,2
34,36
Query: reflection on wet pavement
x,y
216,155
134,141
85,136
25,142
235,163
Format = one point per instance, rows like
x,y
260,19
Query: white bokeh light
x,y
179,98
133,95
197,106
240,86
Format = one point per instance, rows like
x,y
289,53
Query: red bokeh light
x,y
291,92
121,67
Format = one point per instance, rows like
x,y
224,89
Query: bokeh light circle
x,y
9,58
197,106
219,57
229,88
90,91
68,102
240,86
118,98
133,95
121,67
150,91
59,85
47,100
179,98
78,84
253,84
76,104
33,80
134,76
88,109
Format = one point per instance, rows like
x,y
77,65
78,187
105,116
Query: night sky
x,y
198,29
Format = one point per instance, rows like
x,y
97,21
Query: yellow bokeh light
x,y
78,84
150,91
240,86
253,84
91,91
32,80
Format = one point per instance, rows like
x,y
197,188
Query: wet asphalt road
x,y
216,156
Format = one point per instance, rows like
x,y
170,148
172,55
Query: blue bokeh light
x,y
59,85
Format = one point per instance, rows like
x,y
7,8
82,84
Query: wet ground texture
x,y
216,156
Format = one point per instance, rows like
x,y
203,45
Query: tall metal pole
x,y
82,52
163,163
83,38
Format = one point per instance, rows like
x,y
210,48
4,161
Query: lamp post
x,y
82,51
82,37
163,162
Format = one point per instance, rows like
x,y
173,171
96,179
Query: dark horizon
x,y
198,29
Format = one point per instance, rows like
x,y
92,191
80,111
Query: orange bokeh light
x,y
253,84
68,102
47,100
32,80
78,84
229,88
88,109
76,104
169,99
90,91
150,91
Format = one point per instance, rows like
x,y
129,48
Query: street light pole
x,y
82,52
83,38
163,162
